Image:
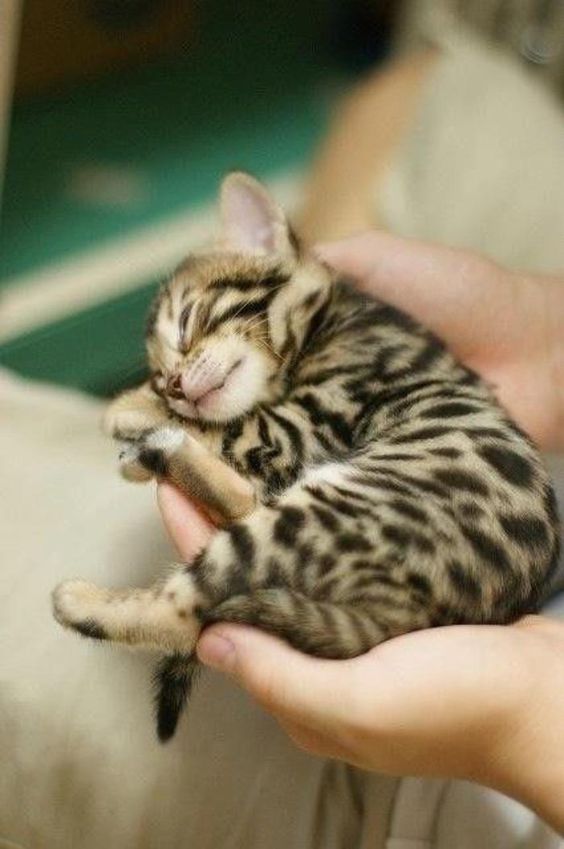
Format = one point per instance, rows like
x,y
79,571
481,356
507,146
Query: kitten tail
x,y
174,679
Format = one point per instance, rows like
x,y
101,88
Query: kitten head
x,y
226,328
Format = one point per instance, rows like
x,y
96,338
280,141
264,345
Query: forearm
x,y
554,288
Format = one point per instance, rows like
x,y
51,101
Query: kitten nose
x,y
204,376
195,386
174,386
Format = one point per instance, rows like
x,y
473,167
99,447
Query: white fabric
x,y
415,811
483,163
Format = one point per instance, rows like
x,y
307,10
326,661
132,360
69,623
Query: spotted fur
x,y
390,491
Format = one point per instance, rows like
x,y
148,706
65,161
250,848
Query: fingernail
x,y
217,651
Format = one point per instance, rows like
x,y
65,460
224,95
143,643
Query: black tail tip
x,y
167,723
174,678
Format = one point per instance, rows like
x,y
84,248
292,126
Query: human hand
x,y
483,703
476,703
505,325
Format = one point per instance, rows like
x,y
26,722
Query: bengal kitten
x,y
367,484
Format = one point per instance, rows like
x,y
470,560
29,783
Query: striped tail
x,y
317,627
174,680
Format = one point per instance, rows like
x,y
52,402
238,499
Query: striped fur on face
x,y
226,331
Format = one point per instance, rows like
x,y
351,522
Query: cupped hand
x,y
505,325
477,702
484,703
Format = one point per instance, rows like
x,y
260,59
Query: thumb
x,y
294,686
383,262
188,528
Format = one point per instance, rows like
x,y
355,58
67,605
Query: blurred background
x,y
438,119
118,118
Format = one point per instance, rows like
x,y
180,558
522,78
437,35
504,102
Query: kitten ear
x,y
251,221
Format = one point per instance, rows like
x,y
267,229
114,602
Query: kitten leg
x,y
164,618
152,446
160,617
174,454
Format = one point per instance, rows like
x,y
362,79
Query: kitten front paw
x,y
150,455
125,425
130,467
133,413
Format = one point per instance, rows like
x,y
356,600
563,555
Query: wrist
x,y
531,770
524,755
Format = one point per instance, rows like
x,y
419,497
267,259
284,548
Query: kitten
x,y
367,484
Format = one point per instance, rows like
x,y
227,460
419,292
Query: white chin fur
x,y
243,389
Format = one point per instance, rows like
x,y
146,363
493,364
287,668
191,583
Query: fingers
x,y
295,687
189,530
305,694
382,262
453,292
417,704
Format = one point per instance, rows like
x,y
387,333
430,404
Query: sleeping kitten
x,y
367,483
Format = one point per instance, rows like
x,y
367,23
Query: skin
x,y
370,123
481,703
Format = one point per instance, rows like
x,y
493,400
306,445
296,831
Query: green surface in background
x,y
99,350
249,91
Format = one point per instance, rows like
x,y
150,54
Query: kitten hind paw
x,y
161,617
74,604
